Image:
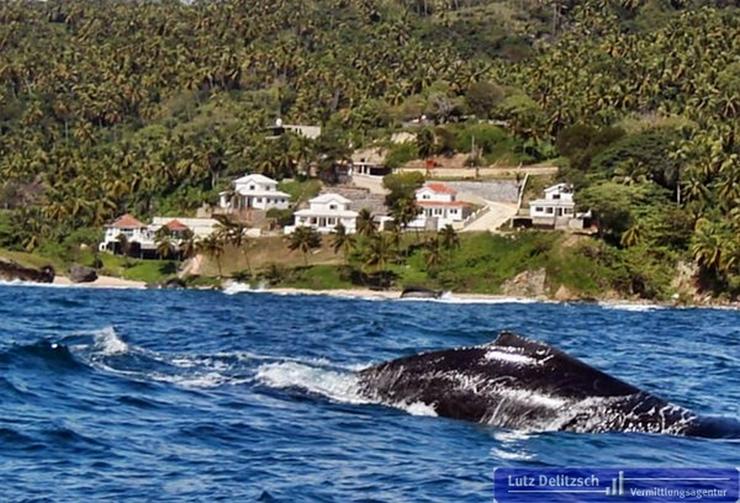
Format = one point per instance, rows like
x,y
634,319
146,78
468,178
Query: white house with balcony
x,y
439,207
555,209
324,213
254,192
128,226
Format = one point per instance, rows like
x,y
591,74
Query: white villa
x,y
325,212
129,226
440,207
254,191
557,207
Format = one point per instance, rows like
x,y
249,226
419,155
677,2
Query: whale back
x,y
520,383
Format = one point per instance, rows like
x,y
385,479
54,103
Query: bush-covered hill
x,y
145,106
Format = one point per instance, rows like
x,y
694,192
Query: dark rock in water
x,y
173,284
11,271
420,293
82,274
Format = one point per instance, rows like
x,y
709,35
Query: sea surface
x,y
112,395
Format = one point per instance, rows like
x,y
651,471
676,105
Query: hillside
x,y
112,106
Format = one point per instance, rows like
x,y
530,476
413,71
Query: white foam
x,y
637,308
76,286
235,287
417,409
338,386
109,343
450,298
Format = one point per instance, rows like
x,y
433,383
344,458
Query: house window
x,y
251,187
425,196
331,221
453,211
567,211
556,196
259,199
538,209
548,210
332,206
437,211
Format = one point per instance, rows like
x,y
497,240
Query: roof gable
x,y
127,221
256,178
439,188
328,198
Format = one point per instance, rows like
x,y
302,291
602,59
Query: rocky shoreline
x,y
13,271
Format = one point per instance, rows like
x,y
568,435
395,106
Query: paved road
x,y
497,215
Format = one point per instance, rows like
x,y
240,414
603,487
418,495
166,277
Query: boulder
x,y
82,274
420,293
526,284
564,294
173,284
13,271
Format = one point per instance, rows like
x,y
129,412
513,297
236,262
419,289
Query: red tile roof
x,y
127,221
176,226
440,188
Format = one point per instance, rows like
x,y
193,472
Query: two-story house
x,y
324,213
555,209
131,229
439,207
254,192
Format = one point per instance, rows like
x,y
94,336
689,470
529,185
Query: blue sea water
x,y
110,395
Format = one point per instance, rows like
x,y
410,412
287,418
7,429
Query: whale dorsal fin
x,y
512,340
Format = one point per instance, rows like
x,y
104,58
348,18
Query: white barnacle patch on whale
x,y
507,355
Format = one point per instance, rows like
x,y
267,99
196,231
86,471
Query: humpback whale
x,y
518,383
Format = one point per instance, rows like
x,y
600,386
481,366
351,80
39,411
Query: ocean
x,y
113,395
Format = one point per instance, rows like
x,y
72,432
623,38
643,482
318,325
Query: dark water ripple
x,y
199,396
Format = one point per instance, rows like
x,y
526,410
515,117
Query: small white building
x,y
439,207
254,192
324,213
555,209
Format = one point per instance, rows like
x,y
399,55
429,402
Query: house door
x,y
559,212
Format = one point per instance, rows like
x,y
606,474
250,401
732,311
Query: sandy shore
x,y
101,282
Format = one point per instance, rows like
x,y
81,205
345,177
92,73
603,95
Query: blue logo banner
x,y
658,485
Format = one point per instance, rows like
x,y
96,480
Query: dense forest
x,y
149,106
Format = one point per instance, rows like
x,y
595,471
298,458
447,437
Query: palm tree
x,y
366,225
404,211
432,253
165,246
632,236
448,238
304,239
379,251
234,234
343,241
425,143
163,242
124,245
213,247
